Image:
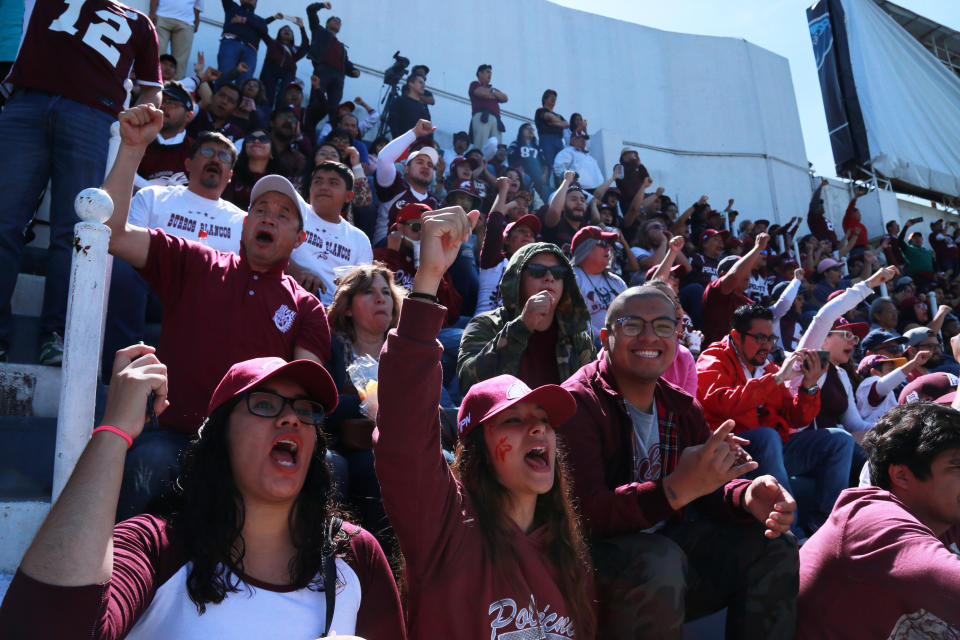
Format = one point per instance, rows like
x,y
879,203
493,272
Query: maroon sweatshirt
x,y
454,590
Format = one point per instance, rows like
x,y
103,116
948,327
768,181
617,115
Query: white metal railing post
x,y
82,339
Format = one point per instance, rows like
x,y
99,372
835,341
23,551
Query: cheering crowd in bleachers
x,y
496,390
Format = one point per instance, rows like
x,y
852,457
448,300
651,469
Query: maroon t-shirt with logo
x,y
84,50
718,308
217,312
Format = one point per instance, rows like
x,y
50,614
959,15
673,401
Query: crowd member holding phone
x,y
253,546
737,381
493,547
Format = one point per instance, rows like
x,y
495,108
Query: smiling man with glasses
x,y
640,453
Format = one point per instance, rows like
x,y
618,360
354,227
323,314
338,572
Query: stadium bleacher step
x,y
29,390
26,457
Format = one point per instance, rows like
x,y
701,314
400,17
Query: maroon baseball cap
x,y
860,329
928,388
592,233
474,163
245,375
488,398
467,187
676,271
529,220
411,211
710,233
347,105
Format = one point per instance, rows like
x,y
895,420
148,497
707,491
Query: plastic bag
x,y
363,375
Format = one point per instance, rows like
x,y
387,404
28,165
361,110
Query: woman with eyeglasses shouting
x,y
252,546
541,334
492,548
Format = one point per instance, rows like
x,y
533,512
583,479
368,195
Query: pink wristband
x,y
123,434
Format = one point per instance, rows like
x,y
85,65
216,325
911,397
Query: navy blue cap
x,y
878,337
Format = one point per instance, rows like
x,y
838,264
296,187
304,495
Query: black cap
x,y
176,91
726,264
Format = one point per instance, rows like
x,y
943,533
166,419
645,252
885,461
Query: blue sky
x,y
777,25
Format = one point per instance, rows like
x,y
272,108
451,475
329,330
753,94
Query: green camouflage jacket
x,y
493,342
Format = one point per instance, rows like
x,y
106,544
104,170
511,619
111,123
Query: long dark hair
x,y
565,547
208,516
241,170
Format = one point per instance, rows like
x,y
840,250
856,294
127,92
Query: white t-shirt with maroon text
x,y
330,248
182,213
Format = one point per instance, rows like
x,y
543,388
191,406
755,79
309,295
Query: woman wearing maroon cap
x,y
252,547
494,550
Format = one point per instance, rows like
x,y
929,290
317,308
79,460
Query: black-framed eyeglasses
x,y
268,404
414,226
257,138
222,156
558,271
761,338
932,346
634,326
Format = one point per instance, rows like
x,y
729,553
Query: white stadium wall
x,y
709,115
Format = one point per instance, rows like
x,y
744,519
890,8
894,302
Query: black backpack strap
x,y
330,574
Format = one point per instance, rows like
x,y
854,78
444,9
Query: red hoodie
x,y
454,591
725,392
850,223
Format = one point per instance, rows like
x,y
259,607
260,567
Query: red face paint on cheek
x,y
502,448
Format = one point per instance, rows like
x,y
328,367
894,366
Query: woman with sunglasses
x,y
252,546
541,334
492,548
254,162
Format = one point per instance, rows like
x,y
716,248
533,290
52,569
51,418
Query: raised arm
x,y
937,322
558,200
138,127
386,171
740,272
74,547
636,205
419,491
663,269
822,323
785,301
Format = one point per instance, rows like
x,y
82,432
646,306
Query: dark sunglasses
x,y
539,271
268,404
414,226
222,156
604,244
257,138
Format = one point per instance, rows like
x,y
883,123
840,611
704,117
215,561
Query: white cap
x,y
430,152
280,185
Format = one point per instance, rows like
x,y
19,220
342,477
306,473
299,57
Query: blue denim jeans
x,y
152,464
824,455
466,276
450,339
550,146
48,137
232,53
126,312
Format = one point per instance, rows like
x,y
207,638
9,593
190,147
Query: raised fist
x,y
140,125
423,128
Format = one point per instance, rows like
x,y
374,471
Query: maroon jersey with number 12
x,y
84,50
